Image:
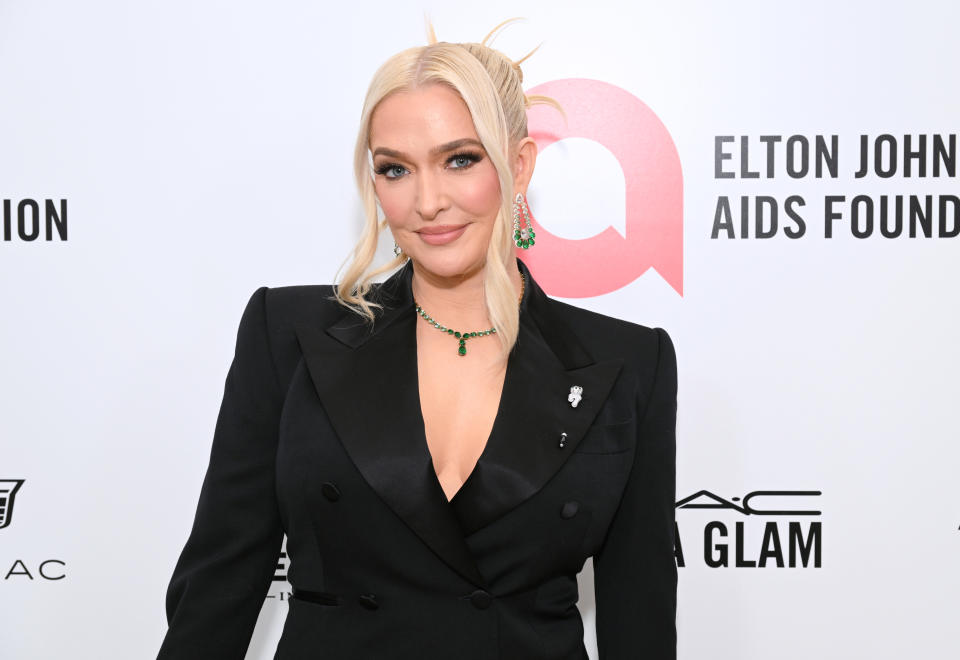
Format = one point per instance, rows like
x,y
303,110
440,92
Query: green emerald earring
x,y
522,236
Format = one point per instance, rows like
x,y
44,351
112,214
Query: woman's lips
x,y
443,237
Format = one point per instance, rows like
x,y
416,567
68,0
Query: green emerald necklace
x,y
464,336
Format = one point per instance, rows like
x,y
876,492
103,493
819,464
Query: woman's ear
x,y
524,160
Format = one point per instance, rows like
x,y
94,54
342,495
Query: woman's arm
x,y
220,581
635,572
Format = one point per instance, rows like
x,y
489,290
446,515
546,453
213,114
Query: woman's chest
x,y
459,401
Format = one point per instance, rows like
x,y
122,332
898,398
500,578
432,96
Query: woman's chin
x,y
449,263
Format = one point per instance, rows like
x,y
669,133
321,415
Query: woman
x,y
443,450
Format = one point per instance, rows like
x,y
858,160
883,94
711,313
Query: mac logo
x,y
757,540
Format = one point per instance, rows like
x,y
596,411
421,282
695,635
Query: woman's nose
x,y
430,195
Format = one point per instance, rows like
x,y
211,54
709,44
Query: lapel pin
x,y
563,439
575,395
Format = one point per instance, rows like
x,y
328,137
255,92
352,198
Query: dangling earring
x,y
523,237
396,249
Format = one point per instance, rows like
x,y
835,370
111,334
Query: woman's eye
x,y
384,170
463,161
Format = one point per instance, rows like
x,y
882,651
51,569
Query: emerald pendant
x,y
463,336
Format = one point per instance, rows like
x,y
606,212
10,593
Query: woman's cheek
x,y
393,204
481,196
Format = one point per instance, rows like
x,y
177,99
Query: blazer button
x,y
481,599
369,601
569,509
330,491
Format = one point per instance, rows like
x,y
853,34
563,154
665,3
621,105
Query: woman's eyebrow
x,y
443,148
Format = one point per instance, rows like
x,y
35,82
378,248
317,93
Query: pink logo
x,y
641,143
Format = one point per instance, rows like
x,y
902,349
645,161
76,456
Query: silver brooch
x,y
575,395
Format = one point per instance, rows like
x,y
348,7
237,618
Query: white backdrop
x,y
203,149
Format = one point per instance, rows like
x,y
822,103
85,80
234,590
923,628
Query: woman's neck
x,y
456,302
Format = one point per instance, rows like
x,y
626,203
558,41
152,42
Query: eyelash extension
x,y
474,157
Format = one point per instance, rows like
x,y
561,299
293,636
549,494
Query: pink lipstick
x,y
441,234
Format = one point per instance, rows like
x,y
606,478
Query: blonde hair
x,y
490,85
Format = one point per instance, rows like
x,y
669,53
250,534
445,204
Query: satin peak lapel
x,y
367,382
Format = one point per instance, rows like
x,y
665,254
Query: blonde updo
x,y
490,84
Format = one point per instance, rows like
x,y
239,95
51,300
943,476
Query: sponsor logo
x,y
653,186
47,569
771,528
8,493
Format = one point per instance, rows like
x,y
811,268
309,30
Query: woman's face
x,y
437,187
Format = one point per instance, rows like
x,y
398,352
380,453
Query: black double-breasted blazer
x,y
320,436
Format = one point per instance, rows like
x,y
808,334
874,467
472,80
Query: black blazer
x,y
320,436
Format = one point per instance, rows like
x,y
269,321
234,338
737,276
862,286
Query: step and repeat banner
x,y
774,184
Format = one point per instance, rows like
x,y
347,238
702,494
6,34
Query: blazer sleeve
x,y
221,579
635,571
